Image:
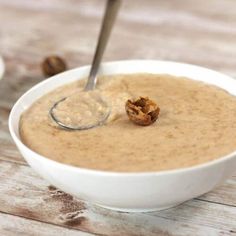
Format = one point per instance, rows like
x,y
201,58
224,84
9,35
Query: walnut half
x,y
142,111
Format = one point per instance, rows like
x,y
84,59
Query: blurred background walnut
x,y
53,65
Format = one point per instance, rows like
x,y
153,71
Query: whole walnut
x,y
53,65
142,111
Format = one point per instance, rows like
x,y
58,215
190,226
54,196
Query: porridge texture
x,y
196,124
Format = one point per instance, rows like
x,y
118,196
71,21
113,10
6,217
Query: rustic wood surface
x,y
199,32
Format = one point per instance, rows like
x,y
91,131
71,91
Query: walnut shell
x,y
142,111
53,65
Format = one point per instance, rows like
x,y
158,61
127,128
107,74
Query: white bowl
x,y
146,191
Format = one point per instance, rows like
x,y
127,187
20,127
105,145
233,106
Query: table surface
x,y
199,32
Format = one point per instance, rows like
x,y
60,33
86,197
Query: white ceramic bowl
x,y
146,191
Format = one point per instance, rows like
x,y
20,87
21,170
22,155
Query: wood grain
x,y
202,33
11,225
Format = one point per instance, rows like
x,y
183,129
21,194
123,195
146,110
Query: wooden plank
x,y
24,194
224,194
214,214
8,150
11,225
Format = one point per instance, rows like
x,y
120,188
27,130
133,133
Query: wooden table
x,y
199,32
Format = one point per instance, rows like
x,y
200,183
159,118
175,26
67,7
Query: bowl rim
x,y
36,155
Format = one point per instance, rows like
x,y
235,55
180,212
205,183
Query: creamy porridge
x,y
196,124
